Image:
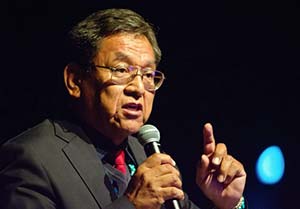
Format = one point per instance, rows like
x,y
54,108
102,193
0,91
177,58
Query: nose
x,y
136,85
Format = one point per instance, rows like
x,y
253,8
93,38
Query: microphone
x,y
149,138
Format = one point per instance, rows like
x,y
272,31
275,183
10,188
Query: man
x,y
112,80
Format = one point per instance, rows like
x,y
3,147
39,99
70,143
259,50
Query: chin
x,y
131,126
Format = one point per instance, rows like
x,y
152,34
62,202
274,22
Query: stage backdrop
x,y
232,63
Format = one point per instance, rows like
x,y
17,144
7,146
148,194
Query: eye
x,y
149,74
121,70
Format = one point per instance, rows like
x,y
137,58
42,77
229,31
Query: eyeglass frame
x,y
132,76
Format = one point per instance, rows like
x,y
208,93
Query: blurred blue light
x,y
270,165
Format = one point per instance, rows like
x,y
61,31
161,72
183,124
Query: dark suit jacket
x,y
55,165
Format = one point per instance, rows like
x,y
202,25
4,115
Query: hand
x,y
155,181
220,176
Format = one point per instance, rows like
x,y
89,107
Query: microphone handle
x,y
151,148
172,204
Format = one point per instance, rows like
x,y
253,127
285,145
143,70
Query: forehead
x,y
126,47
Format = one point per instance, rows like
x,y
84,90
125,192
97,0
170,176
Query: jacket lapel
x,y
83,157
137,149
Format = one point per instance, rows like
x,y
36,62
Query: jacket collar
x,y
83,157
82,154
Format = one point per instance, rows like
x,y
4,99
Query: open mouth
x,y
133,106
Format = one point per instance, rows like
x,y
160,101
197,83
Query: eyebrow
x,y
120,56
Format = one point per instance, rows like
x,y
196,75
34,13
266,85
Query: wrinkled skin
x,y
157,180
219,175
117,111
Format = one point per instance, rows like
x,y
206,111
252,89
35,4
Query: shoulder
x,y
41,144
45,132
34,134
39,140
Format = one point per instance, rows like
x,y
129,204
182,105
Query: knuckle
x,y
179,183
174,191
223,169
166,168
221,145
229,157
139,172
160,200
221,149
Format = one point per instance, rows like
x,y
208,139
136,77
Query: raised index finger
x,y
209,143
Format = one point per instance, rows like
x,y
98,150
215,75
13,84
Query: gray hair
x,y
86,35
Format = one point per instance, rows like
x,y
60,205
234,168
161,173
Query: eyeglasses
x,y
152,79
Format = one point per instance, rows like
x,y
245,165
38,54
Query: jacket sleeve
x,y
186,203
121,202
23,181
124,203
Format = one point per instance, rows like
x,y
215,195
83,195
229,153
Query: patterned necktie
x,y
120,161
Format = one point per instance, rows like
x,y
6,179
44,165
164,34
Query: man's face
x,y
118,110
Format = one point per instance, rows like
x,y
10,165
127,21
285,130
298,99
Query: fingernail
x,y
221,178
173,162
216,160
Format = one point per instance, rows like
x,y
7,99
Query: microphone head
x,y
148,133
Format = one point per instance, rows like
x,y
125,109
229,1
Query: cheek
x,y
148,105
110,98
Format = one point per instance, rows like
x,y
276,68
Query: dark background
x,y
232,63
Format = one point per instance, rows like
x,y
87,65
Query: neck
x,y
100,140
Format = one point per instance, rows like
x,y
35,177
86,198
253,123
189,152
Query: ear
x,y
72,79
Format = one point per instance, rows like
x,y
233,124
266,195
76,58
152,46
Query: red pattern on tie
x,y
120,161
